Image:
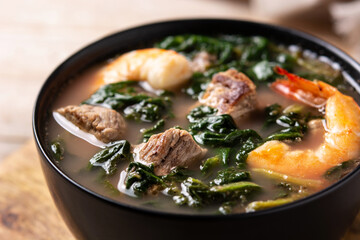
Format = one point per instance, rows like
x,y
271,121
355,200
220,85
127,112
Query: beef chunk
x,y
105,124
172,148
231,93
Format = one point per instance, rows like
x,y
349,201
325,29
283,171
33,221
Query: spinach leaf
x,y
287,189
291,121
250,144
135,105
109,157
140,177
57,148
224,154
195,193
272,113
210,164
339,171
190,44
210,129
177,175
200,112
217,123
262,205
263,71
147,133
255,49
230,175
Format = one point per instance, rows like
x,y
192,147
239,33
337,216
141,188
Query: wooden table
x,y
37,35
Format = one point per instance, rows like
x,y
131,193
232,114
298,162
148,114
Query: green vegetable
x,y
285,178
137,106
227,207
230,175
218,124
272,113
200,112
286,60
177,175
109,157
140,177
57,148
210,164
287,189
339,171
113,190
250,144
147,133
262,205
148,110
190,44
198,85
292,122
263,71
255,50
313,68
236,188
224,153
194,193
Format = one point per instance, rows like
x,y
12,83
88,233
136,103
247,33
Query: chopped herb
x,y
57,148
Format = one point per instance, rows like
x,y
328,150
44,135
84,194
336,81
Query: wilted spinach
x,y
291,122
147,133
230,175
57,148
195,193
339,171
191,44
140,177
109,157
122,96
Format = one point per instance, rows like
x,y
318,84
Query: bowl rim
x,y
155,212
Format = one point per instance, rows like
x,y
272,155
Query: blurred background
x,y
36,35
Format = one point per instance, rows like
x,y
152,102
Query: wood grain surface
x,y
26,208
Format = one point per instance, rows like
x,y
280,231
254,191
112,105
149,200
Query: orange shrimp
x,y
162,69
342,132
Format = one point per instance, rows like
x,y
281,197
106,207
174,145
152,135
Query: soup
x,y
207,125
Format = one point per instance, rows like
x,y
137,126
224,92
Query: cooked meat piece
x,y
231,93
105,124
202,61
172,148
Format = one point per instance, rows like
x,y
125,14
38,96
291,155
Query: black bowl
x,y
324,215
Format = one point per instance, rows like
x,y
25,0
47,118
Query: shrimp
x,y
162,69
341,139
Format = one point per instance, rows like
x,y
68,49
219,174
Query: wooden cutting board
x,y
27,210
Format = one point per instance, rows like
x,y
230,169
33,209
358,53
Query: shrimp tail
x,y
299,89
